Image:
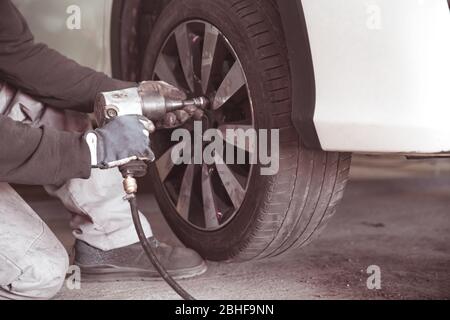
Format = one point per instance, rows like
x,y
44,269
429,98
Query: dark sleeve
x,y
41,156
44,73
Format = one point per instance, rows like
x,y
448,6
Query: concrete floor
x,y
398,220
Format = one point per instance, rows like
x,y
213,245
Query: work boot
x,y
131,263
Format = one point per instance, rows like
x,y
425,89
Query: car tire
x,y
280,212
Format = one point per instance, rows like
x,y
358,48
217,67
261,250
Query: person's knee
x,y
50,277
42,274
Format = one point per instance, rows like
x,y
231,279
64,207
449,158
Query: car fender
x,y
370,76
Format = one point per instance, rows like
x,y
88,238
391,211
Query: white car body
x,y
89,45
382,67
382,73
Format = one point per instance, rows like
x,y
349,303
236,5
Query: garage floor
x,y
394,215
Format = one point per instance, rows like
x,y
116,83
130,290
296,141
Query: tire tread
x,y
274,233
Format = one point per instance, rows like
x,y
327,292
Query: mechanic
x,y
44,145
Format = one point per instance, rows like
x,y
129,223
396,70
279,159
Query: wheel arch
x,y
302,71
126,46
115,33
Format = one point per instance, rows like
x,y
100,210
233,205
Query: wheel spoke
x,y
231,184
234,80
184,45
250,144
165,163
164,69
209,49
184,199
198,58
209,204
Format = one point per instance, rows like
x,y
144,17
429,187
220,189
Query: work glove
x,y
121,141
173,119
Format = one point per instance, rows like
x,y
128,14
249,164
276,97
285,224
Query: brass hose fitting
x,y
130,185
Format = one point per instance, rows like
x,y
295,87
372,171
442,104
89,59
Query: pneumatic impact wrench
x,y
148,101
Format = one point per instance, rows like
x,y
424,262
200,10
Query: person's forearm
x,y
44,73
41,156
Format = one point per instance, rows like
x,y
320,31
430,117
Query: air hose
x,y
129,172
149,250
